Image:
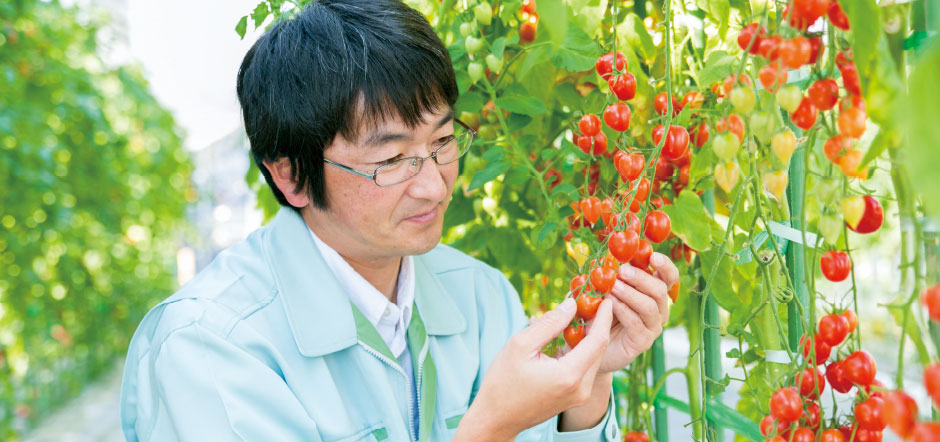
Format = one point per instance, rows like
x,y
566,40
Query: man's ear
x,y
283,178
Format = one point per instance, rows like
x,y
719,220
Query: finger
x,y
665,269
586,355
547,327
647,284
633,327
646,307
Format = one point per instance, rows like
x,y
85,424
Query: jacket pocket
x,y
372,433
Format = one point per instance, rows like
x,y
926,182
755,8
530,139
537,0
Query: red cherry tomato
x,y
772,76
617,116
833,329
605,64
623,245
820,349
850,319
832,435
699,134
804,116
636,436
837,16
677,143
528,29
795,52
899,413
932,382
871,218
824,93
816,46
860,368
732,123
587,305
931,299
807,381
770,426
852,122
528,7
578,283
641,259
812,416
591,209
786,405
770,47
623,86
590,125
658,226
836,147
574,334
642,191
836,377
661,103
664,170
603,279
750,37
835,265
869,414
850,79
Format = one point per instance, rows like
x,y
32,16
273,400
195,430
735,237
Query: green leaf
x,y
498,46
878,146
638,37
491,172
521,104
691,222
865,19
509,249
534,58
494,153
726,417
242,26
548,153
720,12
718,65
517,175
918,115
547,229
563,189
471,101
578,53
517,122
260,13
553,16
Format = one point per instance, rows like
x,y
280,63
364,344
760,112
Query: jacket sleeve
x,y
194,385
515,318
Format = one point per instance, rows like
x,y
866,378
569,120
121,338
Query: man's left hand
x,y
641,309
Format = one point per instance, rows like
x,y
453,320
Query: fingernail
x,y
627,271
567,305
657,259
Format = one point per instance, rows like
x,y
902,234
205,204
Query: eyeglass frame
x,y
371,175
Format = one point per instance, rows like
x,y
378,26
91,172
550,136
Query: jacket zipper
x,y
411,396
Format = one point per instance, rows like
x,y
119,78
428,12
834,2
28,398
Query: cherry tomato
x,y
528,7
850,164
850,79
899,413
677,143
661,104
603,278
732,123
553,177
664,170
674,291
835,265
859,368
528,29
617,116
832,435
577,283
795,52
833,329
932,382
731,81
925,432
816,47
770,47
852,122
770,426
807,381
868,414
623,86
750,37
812,416
699,134
591,209
641,259
836,377
872,217
623,245
632,222
810,10
820,349
574,334
850,319
605,64
587,305
658,226
824,93
785,404
804,116
931,299
590,125
642,191
692,100
636,436
837,16
836,147
772,76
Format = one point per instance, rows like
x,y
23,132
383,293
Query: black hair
x,y
333,68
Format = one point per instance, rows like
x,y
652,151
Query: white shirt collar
x,y
390,320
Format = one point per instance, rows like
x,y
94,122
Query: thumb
x,y
546,328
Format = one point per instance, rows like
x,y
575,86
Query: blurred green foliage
x,y
93,187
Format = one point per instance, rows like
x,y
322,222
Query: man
x,y
343,319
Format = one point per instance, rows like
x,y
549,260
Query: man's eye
x,y
390,160
444,140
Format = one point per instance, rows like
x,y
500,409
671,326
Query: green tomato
x,y
789,97
475,69
466,29
743,99
488,132
829,192
726,146
473,44
763,125
830,226
494,63
484,13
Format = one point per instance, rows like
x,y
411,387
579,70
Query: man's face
x,y
366,221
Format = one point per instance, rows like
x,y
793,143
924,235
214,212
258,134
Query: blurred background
x,y
123,168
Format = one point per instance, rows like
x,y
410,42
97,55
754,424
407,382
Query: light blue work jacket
x,y
263,345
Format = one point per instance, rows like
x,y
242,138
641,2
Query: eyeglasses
x,y
401,170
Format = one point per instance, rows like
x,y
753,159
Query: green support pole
x,y
712,338
659,369
795,262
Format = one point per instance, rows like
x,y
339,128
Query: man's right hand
x,y
524,387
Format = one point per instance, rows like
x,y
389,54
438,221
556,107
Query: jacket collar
x,y
319,313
